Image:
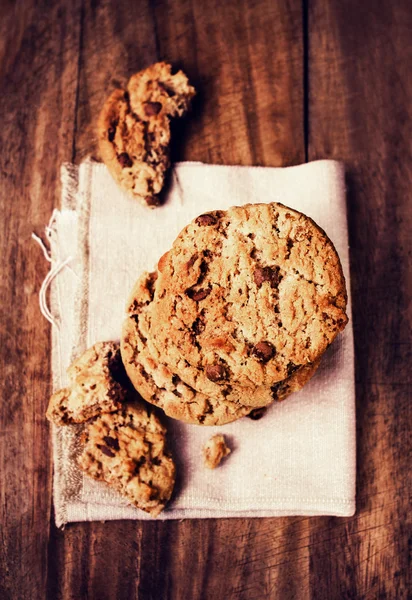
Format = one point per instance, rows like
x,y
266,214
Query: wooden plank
x,y
360,94
117,39
246,59
38,71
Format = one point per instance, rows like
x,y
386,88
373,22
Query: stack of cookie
x,y
237,315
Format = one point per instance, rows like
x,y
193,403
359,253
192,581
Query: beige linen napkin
x,y
297,460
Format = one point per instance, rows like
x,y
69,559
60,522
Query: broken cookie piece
x,y
127,450
97,385
215,450
134,129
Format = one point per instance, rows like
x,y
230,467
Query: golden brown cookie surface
x,y
127,450
134,129
157,383
247,296
97,384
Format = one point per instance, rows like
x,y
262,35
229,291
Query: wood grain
x,y
235,94
278,81
39,79
360,98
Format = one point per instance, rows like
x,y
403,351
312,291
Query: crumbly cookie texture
x,y
97,385
134,129
215,450
247,296
158,384
155,382
127,450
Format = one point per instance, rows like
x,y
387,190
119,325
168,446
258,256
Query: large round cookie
x,y
246,296
158,384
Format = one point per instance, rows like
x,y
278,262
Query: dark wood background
x,y
281,82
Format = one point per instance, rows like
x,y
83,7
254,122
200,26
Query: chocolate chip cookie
x,y
149,372
97,385
153,379
247,296
134,129
127,450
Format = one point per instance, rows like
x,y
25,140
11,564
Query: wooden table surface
x,y
280,82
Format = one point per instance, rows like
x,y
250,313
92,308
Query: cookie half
x,y
134,129
128,451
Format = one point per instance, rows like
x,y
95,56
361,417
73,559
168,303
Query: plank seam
x,y
305,32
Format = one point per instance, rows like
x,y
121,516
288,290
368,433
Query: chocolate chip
x,y
139,462
207,219
264,351
153,201
198,295
270,274
292,368
111,442
216,373
151,137
107,451
111,132
227,391
257,413
276,388
191,261
166,88
198,326
203,268
125,160
152,109
176,379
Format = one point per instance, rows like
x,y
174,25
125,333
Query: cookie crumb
x,y
215,450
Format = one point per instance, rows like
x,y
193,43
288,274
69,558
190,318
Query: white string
x,y
49,226
44,309
45,286
42,246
